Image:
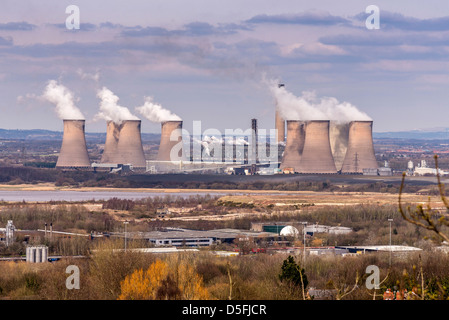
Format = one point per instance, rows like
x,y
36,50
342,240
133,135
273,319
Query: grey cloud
x,y
191,29
392,20
6,41
17,26
385,39
305,18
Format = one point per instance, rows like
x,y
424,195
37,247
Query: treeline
x,y
110,275
158,202
18,175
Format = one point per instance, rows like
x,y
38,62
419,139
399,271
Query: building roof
x,y
187,233
386,248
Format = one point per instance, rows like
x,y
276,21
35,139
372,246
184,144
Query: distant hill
x,y
40,134
414,134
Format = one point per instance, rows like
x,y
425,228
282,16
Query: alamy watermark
x,y
234,146
373,20
373,280
73,20
72,281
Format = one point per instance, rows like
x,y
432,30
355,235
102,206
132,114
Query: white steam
x,y
63,99
110,110
155,112
309,107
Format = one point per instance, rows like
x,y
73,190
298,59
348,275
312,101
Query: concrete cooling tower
x,y
124,144
294,145
166,145
339,141
360,153
317,153
73,152
110,153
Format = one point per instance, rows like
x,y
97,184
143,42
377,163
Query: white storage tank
x,y
37,254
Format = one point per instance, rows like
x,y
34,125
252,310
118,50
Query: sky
x,y
209,60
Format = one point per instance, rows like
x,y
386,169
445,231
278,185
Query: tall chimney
x,y
294,145
317,154
73,151
166,144
254,142
124,144
360,154
279,122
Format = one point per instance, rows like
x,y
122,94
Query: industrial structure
x,y
73,153
303,146
279,123
171,135
316,155
124,144
360,151
339,132
37,254
294,145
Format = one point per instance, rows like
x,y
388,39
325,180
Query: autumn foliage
x,y
160,282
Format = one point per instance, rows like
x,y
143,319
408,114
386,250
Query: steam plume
x,y
155,112
110,110
62,97
309,107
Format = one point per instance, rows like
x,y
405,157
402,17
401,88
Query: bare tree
x,y
427,218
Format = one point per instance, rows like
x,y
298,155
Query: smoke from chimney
x,y
155,112
310,107
63,99
109,108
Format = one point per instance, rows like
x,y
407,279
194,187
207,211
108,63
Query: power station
x,y
308,146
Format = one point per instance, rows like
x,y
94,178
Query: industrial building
x,y
197,238
310,229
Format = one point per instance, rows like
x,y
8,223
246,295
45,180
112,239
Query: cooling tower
x,y
110,154
360,153
166,145
294,145
317,154
339,141
73,149
124,144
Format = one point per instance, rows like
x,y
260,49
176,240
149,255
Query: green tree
x,y
293,273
